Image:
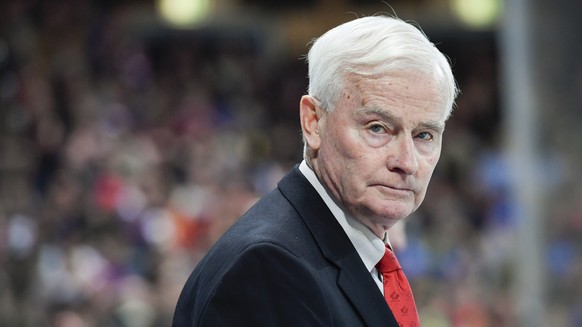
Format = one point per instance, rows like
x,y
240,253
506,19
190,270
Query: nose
x,y
403,157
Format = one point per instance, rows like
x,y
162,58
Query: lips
x,y
394,189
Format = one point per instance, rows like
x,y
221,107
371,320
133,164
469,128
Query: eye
x,y
377,128
426,136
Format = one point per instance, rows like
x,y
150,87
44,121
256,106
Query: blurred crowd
x,y
124,155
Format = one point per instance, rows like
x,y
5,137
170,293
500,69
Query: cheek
x,y
432,160
432,164
341,145
427,168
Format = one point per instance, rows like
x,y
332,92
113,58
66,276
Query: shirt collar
x,y
369,246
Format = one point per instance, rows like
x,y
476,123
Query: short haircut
x,y
371,46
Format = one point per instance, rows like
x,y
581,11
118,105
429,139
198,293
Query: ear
x,y
310,115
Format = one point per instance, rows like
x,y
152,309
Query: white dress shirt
x,y
369,246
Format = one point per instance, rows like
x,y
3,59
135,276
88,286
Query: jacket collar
x,y
354,279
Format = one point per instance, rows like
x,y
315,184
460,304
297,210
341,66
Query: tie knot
x,y
388,263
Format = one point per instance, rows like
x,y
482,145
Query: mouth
x,y
395,189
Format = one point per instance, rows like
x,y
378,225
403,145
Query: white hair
x,y
371,46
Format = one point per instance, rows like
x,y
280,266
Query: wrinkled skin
x,y
376,149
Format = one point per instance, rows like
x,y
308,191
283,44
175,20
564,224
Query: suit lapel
x,y
354,279
369,303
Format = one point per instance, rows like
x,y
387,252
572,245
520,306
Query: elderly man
x,y
315,252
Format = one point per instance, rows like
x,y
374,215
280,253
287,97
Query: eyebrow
x,y
388,116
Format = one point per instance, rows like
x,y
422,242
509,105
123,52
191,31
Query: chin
x,y
389,217
382,213
394,211
392,218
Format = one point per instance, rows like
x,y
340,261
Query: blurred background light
x,y
3,51
183,13
477,13
130,139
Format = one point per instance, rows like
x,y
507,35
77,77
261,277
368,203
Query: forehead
x,y
410,92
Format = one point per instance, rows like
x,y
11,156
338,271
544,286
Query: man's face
x,y
379,146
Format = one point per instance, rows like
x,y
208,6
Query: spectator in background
x,y
312,251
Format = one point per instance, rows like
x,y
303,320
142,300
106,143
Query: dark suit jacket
x,y
286,262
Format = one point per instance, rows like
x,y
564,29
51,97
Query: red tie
x,y
397,291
